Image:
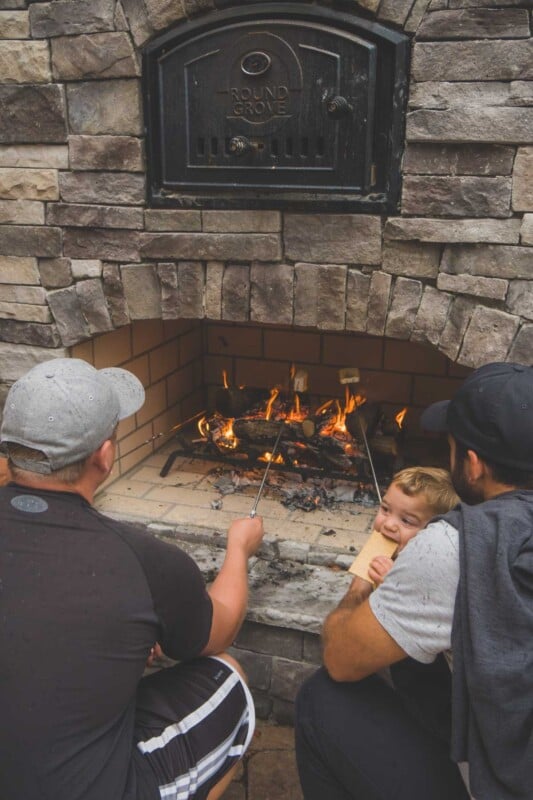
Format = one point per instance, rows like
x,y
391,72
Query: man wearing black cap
x,y
83,601
463,588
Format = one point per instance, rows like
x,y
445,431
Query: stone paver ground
x,y
268,770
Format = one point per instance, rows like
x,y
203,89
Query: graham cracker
x,y
376,545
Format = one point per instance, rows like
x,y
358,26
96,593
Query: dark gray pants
x,y
359,741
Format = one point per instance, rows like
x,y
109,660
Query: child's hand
x,y
378,568
155,653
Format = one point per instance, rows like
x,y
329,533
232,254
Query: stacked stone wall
x,y
82,255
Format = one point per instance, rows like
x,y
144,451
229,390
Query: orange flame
x,y
273,394
268,457
225,379
228,438
203,427
324,407
400,417
296,413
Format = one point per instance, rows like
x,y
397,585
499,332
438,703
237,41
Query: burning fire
x,y
278,459
400,417
338,423
273,394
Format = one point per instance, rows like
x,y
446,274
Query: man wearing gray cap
x,y
463,587
83,601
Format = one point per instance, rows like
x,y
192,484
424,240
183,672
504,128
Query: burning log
x,y
266,430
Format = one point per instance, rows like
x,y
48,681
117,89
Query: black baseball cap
x,y
491,413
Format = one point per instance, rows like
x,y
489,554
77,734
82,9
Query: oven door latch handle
x,y
253,512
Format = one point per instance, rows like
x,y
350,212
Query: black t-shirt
x,y
82,600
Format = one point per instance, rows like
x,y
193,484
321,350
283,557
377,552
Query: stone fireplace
x,y
413,297
88,268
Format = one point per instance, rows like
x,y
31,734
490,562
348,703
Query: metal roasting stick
x,y
253,512
369,458
174,429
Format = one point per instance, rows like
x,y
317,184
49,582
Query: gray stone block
x,y
458,320
419,229
394,11
23,240
34,295
411,260
431,316
331,300
306,294
492,288
270,640
444,95
520,93
66,308
172,220
26,312
288,676
104,244
258,667
271,298
49,156
191,285
29,184
21,212
141,290
488,338
24,61
16,360
213,289
312,648
378,303
406,298
99,55
112,107
114,292
463,196
357,294
69,17
522,347
493,261
138,22
32,114
84,216
475,124
93,305
168,279
14,24
480,23
241,221
85,268
117,153
55,273
458,159
212,246
29,333
113,188
479,60
523,180
18,270
526,231
163,13
333,238
520,299
236,293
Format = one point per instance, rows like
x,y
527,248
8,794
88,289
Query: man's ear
x,y
104,457
475,467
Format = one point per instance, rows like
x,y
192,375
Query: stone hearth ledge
x,y
287,590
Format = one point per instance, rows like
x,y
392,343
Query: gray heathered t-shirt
x,y
415,602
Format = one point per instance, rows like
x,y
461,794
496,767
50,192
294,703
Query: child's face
x,y
400,517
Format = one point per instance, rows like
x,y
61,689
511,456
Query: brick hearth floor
x,y
185,497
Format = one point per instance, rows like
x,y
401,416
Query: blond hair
x,y
433,483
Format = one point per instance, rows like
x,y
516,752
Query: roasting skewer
x,y
253,512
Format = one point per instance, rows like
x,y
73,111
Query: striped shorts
x,y
193,722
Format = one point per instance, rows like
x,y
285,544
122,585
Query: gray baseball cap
x,y
66,409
